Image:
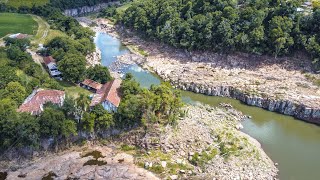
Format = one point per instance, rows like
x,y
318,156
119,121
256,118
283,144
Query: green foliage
x,y
264,27
125,147
72,67
15,91
99,74
21,43
108,12
160,104
200,159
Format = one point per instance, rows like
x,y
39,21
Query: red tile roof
x,y
109,92
92,84
34,103
49,59
22,36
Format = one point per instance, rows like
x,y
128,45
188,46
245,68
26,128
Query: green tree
x,y
98,73
279,33
72,67
15,91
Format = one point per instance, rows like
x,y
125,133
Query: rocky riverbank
x,y
90,162
286,85
205,144
215,149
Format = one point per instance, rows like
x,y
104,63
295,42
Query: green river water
x,y
293,144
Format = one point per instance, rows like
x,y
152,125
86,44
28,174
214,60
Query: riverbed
x,y
291,143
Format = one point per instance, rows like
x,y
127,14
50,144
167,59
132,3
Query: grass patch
x,y
52,34
126,147
11,23
29,3
200,159
73,90
315,80
137,50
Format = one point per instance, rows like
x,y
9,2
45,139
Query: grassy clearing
x,y
28,3
73,90
52,34
11,23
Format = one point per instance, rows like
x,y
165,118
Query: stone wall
x,y
276,105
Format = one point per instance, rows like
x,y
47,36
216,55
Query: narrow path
x,y
43,30
36,58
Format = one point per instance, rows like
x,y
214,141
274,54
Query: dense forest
x,y
259,27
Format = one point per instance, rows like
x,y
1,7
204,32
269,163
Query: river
x,y
293,144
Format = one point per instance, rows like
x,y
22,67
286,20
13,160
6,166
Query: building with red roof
x,y
34,102
91,85
108,96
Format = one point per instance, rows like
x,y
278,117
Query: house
x,y
19,36
108,96
52,67
91,85
35,101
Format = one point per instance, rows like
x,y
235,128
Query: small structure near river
x,y
107,94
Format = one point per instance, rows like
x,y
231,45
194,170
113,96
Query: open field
x,y
73,90
11,23
29,3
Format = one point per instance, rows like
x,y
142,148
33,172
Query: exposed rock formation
x,y
87,9
205,144
73,165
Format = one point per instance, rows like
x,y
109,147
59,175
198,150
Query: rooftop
x,y
34,103
109,92
49,59
93,84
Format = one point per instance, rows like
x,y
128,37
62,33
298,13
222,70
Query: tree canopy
x,y
259,27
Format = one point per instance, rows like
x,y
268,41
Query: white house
x,y
52,67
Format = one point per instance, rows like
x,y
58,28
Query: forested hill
x,y
254,26
68,4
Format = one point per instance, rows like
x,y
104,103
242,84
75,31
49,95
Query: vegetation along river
x,y
293,144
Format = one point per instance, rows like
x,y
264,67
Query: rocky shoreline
x,y
216,148
276,85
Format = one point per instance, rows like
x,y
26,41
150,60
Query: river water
x,y
293,144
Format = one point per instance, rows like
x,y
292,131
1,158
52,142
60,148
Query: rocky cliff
x,y
286,107
87,9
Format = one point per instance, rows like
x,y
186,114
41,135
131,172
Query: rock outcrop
x,y
87,9
80,164
286,107
215,148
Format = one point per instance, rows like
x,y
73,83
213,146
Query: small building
x,y
91,85
108,96
19,36
35,101
51,64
